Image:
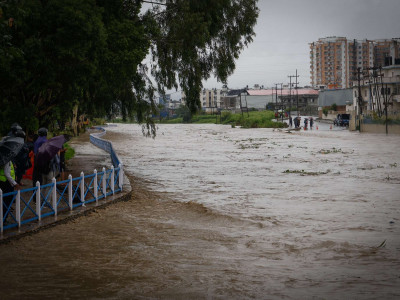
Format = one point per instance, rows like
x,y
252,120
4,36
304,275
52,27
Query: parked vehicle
x,y
342,120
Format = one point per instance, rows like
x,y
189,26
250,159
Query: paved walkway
x,y
87,158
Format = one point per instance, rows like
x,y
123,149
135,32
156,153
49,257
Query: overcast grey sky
x,y
286,27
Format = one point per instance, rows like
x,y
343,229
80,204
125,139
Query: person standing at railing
x,y
51,170
61,153
14,129
37,176
7,184
30,140
21,161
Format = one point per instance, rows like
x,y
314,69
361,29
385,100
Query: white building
x,y
210,98
379,88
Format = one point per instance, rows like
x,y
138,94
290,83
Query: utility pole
x,y
276,103
386,107
360,99
297,93
290,96
282,102
385,95
290,91
372,75
276,99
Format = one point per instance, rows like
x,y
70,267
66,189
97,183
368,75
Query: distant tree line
x,y
63,58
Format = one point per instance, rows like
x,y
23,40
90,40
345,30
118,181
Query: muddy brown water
x,y
227,213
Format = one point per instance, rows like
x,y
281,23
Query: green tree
x,y
86,56
59,43
184,112
197,39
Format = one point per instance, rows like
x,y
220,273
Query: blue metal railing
x,y
33,204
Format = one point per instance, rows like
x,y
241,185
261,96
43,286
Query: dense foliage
x,y
57,56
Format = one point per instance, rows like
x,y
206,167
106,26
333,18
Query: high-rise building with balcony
x,y
334,60
387,52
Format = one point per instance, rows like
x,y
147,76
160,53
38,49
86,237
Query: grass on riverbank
x,y
69,152
255,119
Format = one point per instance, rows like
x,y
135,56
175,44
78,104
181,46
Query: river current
x,y
229,213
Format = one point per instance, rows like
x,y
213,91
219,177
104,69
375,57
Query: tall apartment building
x,y
334,60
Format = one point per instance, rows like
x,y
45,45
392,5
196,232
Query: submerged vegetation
x,y
304,173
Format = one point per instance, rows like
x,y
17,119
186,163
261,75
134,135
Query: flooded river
x,y
229,213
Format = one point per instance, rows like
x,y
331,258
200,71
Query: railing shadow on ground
x,y
33,204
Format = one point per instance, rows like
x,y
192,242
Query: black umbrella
x,y
9,148
49,149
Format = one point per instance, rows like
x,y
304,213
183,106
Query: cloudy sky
x,y
286,27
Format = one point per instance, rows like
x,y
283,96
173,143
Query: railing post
x,y
38,198
121,177
54,195
70,191
1,210
95,186
18,208
82,188
104,183
112,179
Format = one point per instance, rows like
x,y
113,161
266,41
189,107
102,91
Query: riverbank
x,y
87,158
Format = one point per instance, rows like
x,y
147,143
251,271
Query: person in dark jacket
x,y
37,176
311,122
42,132
21,161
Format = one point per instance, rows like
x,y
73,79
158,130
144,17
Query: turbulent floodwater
x,y
228,213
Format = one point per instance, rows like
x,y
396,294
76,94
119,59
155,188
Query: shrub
x,y
225,115
69,152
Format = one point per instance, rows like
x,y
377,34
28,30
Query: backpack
x,y
46,168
